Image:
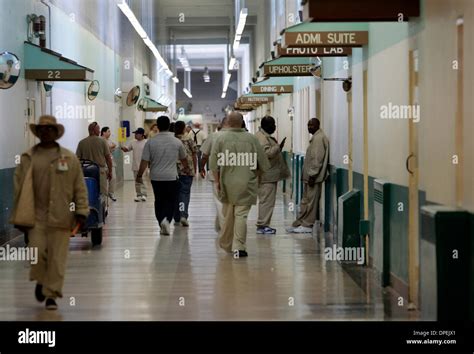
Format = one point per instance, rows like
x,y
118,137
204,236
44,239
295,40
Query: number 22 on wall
x,y
54,74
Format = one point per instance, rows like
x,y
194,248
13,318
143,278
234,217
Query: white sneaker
x,y
184,221
137,199
302,230
143,198
165,227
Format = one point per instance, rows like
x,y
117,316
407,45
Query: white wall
x,y
437,82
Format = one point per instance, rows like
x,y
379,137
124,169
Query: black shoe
x,y
241,254
51,304
39,293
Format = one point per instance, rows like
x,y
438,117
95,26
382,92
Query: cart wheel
x,y
96,236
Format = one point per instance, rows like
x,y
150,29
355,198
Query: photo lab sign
x,y
313,51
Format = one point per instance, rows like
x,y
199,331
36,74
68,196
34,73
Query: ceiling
x,y
203,27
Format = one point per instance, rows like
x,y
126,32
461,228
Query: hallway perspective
x,y
139,275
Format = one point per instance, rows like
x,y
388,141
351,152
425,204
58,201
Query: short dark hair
x,y
266,122
179,127
104,130
163,123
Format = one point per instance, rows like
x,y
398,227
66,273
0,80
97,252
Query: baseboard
x,y
399,285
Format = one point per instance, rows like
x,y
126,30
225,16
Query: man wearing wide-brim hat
x,y
50,199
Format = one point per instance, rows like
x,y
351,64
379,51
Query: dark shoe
x,y
266,230
39,293
240,254
51,304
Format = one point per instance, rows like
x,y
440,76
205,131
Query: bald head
x,y
235,119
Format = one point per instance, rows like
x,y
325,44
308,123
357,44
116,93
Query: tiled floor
x,y
138,275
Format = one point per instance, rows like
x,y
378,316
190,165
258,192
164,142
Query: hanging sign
x,y
313,51
255,100
272,89
287,70
325,39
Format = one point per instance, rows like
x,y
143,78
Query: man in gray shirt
x,y
162,153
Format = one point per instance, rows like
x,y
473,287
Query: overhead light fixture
x,y
183,59
186,91
187,84
175,79
206,76
232,63
240,28
226,84
127,11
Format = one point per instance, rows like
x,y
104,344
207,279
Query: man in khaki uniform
x,y
267,187
314,173
235,160
50,198
97,150
206,149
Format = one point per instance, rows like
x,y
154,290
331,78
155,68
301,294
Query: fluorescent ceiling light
x,y
175,79
232,63
186,91
132,18
226,82
242,20
240,28
223,94
123,6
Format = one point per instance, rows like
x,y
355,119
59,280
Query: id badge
x,y
62,164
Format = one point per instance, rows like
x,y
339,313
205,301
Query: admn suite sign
x,y
328,39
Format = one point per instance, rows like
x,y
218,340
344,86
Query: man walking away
x,y
206,149
50,198
161,153
96,149
137,147
267,187
105,133
236,159
198,136
314,173
186,176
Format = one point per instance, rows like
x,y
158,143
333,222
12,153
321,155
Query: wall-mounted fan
x,y
133,96
93,90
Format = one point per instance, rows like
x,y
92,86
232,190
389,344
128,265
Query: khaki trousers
x,y
140,188
219,221
234,233
53,248
309,206
266,203
113,181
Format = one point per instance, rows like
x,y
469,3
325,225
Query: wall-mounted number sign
x,y
58,75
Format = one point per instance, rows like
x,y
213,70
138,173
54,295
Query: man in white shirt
x,y
137,147
198,136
